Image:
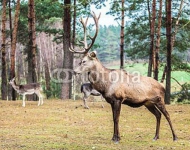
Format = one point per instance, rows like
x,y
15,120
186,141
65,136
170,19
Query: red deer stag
x,y
119,87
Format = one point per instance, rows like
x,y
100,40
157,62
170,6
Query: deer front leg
x,y
23,100
39,101
84,100
116,108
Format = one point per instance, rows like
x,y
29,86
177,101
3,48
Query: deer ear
x,y
92,54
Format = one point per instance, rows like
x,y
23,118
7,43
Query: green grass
x,y
181,76
63,125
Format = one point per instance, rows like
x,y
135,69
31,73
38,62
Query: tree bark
x,y
73,43
74,24
156,65
66,91
3,52
122,36
10,19
174,35
164,74
47,78
13,46
152,27
10,89
46,64
169,50
32,75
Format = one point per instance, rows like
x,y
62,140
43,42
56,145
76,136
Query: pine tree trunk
x,y
46,66
13,46
32,76
47,79
73,43
122,36
164,74
3,52
174,35
169,50
10,89
10,19
152,25
74,24
66,91
156,66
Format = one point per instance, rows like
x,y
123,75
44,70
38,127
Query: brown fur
x,y
119,87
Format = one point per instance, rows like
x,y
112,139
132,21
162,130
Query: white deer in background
x,y
28,89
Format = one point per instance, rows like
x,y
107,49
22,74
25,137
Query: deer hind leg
x,y
161,106
157,114
40,102
23,101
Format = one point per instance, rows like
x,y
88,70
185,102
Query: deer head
x,y
12,81
87,47
87,63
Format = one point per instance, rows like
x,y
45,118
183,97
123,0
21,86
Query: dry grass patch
x,y
62,125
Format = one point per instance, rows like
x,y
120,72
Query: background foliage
x,y
49,15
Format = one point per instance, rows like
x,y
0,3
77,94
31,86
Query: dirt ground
x,y
65,125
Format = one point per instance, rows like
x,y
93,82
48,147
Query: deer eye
x,y
83,61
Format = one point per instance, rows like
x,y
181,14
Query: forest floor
x,y
65,125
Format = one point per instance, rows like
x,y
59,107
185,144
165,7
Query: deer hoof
x,y
155,138
116,139
175,138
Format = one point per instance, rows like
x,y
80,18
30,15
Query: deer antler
x,y
87,46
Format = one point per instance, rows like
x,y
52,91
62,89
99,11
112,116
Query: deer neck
x,y
16,87
98,77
